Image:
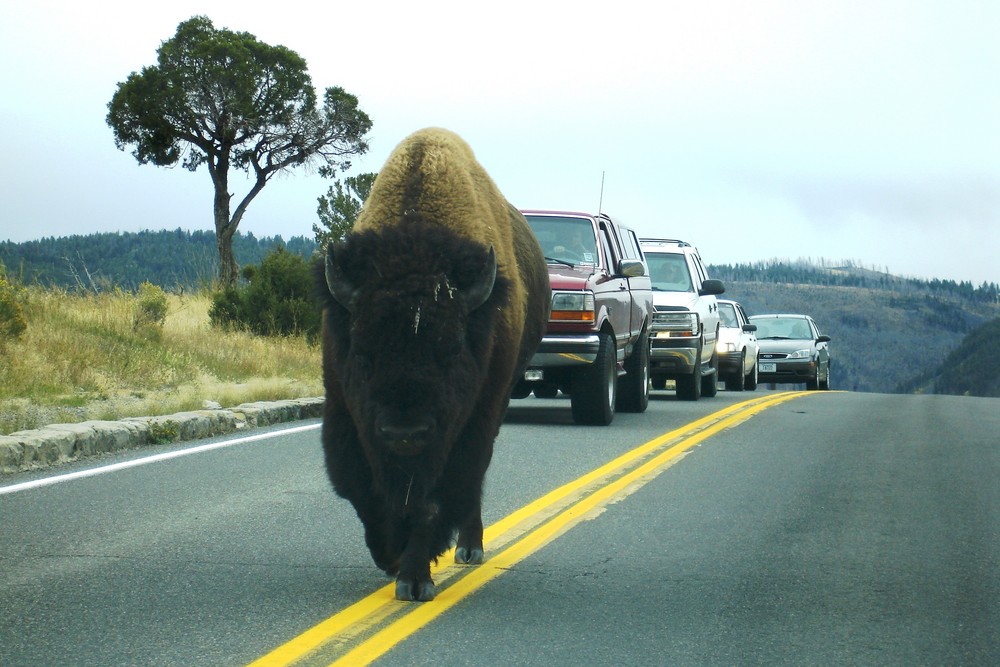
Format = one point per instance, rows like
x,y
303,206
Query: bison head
x,y
409,331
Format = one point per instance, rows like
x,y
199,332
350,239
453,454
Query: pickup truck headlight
x,y
573,307
801,354
676,323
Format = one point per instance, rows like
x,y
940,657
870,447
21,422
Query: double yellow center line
x,y
369,628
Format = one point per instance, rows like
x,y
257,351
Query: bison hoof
x,y
415,591
468,556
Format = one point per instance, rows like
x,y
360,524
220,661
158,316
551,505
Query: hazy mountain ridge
x,y
174,260
890,334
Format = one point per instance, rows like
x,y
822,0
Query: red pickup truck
x,y
596,347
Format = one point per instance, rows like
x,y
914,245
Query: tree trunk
x,y
225,229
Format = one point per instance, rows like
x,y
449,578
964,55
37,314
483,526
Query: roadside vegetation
x,y
115,354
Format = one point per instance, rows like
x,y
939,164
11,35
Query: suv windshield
x,y
668,271
565,240
783,327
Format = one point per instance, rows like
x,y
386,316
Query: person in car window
x,y
578,245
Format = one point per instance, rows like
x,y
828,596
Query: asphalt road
x,y
833,528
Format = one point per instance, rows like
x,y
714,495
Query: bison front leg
x,y
469,548
414,581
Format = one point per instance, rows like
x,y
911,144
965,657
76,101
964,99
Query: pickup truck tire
x,y
710,382
633,395
593,387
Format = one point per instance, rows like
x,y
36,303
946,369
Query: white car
x,y
737,347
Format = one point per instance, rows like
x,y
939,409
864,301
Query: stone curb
x,y
59,443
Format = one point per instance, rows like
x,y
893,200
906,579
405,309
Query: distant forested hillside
x,y
889,334
171,259
971,369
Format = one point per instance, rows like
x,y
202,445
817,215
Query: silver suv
x,y
686,319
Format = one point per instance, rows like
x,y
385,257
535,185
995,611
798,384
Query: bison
x,y
432,307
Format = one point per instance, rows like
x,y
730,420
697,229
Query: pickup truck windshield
x,y
565,240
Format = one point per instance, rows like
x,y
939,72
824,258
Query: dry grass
x,y
83,357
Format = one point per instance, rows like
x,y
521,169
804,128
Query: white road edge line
x,y
155,458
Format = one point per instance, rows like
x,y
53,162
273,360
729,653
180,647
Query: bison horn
x,y
480,290
342,290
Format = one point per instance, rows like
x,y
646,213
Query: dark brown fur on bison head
x,y
410,323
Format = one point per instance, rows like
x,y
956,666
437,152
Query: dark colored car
x,y
792,351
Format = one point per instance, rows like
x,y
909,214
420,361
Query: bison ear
x,y
342,290
476,294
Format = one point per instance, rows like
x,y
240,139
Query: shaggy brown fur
x,y
422,344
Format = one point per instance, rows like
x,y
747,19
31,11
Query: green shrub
x,y
150,307
12,320
276,300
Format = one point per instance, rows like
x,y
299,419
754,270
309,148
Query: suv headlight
x,y
572,307
671,323
801,354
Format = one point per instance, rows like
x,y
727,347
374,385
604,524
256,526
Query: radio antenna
x,y
600,201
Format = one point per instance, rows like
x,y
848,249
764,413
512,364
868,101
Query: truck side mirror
x,y
710,287
631,268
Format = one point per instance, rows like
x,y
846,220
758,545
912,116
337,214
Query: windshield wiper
x,y
553,260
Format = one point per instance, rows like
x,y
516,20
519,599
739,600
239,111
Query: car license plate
x,y
768,367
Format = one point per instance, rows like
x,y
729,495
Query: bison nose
x,y
405,438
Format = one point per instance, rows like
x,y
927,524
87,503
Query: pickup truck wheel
x,y
710,382
592,395
689,386
634,393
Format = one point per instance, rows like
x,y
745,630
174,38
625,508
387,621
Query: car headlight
x,y
726,348
801,354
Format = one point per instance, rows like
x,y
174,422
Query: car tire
x,y
592,394
825,383
633,394
751,380
737,381
812,384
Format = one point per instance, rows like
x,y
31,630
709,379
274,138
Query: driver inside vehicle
x,y
578,245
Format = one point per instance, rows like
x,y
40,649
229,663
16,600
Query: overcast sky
x,y
865,130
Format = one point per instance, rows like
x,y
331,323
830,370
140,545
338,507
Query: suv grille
x,y
681,322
